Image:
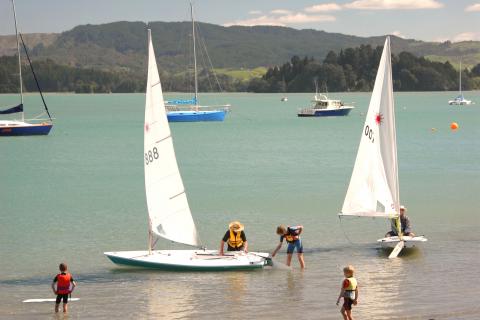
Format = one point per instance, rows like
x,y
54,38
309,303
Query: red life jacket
x,y
63,283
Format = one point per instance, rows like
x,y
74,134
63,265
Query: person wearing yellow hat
x,y
405,222
235,238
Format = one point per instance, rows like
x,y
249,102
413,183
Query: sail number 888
x,y
369,133
151,155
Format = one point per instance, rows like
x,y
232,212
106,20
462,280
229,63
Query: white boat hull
x,y
460,103
190,260
409,242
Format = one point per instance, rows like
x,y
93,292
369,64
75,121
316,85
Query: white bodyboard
x,y
47,300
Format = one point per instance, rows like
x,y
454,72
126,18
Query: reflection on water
x,y
236,287
168,299
381,283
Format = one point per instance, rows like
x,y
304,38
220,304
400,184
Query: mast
x,y
460,82
194,56
19,58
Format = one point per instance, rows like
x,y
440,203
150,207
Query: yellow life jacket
x,y
352,284
235,240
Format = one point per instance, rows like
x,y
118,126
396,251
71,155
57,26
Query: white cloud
x,y
324,7
255,12
473,7
466,36
282,20
281,11
398,34
393,4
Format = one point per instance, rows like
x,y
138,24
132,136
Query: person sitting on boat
x,y
292,235
405,223
235,238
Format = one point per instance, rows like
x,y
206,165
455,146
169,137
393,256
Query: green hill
x,y
121,46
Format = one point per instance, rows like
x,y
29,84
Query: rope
x,y
343,230
202,42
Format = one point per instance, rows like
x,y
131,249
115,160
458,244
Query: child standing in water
x,y
349,292
292,235
63,281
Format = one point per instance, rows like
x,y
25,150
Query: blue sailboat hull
x,y
195,116
31,130
327,113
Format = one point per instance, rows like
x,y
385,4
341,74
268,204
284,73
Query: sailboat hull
x,y
196,116
190,260
25,129
409,242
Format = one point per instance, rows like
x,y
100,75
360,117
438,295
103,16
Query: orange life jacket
x,y
63,283
235,240
291,235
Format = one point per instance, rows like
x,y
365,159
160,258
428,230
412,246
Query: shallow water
x,y
78,192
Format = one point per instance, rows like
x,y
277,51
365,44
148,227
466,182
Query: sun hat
x,y
236,226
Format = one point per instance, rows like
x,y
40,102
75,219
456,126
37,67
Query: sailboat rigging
x,y
190,110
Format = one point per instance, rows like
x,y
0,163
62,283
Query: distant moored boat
x,y
325,107
460,99
20,127
191,110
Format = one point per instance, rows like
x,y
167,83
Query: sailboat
x,y
168,210
23,127
374,190
191,110
460,99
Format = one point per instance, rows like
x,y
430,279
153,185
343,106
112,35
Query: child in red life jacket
x,y
63,289
349,292
292,235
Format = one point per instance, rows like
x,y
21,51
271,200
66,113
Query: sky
x,y
430,20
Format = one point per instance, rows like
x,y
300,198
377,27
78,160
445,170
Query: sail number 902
x,y
151,155
369,133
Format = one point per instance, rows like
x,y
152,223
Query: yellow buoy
x,y
454,126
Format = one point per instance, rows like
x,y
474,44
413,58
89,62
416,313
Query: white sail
x,y
168,208
373,189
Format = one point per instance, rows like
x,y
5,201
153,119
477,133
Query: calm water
x,y
78,192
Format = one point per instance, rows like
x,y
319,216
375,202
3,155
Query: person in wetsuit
x,y
292,235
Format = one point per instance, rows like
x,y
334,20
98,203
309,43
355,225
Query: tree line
x,y
54,77
354,69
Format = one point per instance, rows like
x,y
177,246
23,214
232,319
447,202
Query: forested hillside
x,y
122,46
354,69
60,78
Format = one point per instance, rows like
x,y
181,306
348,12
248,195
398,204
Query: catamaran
x,y
22,127
168,210
460,99
374,190
190,110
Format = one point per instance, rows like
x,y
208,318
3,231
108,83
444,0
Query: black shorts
x,y
235,249
347,303
62,296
